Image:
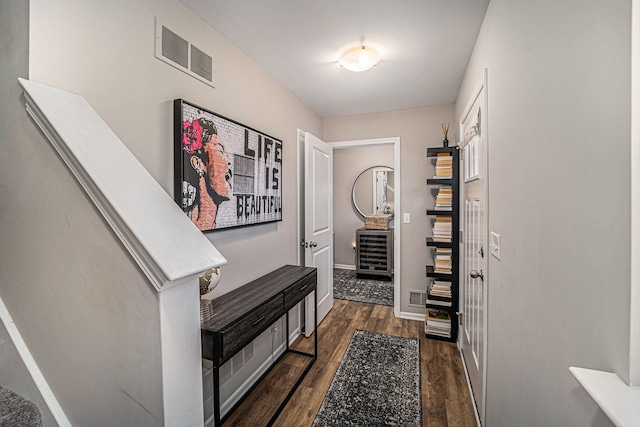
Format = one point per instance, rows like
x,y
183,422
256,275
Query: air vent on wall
x,y
201,63
180,53
417,298
174,47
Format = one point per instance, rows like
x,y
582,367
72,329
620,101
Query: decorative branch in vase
x,y
445,131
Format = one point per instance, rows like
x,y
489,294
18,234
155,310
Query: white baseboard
x,y
293,336
264,366
239,393
411,316
32,367
344,266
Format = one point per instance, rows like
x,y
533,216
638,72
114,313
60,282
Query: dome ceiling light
x,y
359,58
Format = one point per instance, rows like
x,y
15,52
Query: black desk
x,y
243,314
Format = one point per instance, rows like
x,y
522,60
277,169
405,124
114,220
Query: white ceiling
x,y
426,46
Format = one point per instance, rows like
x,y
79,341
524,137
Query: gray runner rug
x,y
352,288
377,384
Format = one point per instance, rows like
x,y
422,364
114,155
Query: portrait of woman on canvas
x,y
207,173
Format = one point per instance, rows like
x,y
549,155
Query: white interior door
x,y
474,277
318,229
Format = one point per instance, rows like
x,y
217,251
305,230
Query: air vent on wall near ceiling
x,y
180,53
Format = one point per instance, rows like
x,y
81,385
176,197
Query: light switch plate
x,y
407,218
494,245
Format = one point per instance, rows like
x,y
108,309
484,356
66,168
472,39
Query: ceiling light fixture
x,y
359,58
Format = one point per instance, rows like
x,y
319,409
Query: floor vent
x,y
417,298
181,54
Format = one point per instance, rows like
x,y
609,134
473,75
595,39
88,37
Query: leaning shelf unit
x,y
432,275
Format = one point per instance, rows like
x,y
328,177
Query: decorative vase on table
x,y
208,282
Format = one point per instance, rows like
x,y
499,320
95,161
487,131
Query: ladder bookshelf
x,y
441,319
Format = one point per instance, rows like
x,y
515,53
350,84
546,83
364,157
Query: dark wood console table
x,y
244,313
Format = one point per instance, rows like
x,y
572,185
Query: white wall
x,y
417,129
559,195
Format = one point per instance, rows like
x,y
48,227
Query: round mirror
x,y
372,191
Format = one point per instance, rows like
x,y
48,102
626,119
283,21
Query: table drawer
x,y
294,294
239,334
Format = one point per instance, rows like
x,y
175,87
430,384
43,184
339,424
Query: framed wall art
x,y
226,174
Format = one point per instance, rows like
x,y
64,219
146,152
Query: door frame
x,y
481,84
395,141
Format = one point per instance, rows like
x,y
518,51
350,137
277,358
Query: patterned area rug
x,y
362,290
377,383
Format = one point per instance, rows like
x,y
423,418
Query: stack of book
x,y
438,322
439,288
444,165
442,229
444,198
443,261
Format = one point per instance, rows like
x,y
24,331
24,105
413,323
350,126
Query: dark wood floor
x,y
445,395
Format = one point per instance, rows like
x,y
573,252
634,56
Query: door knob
x,y
313,244
474,274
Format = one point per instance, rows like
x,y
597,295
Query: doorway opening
x,y
361,160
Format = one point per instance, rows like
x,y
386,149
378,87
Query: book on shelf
x,y
444,251
441,232
438,322
444,198
444,174
444,166
441,332
438,317
446,160
442,228
443,261
439,288
443,203
438,302
442,239
443,222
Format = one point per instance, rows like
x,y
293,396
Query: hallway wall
x,y
559,195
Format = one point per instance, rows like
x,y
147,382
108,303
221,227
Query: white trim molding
x,y
620,402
